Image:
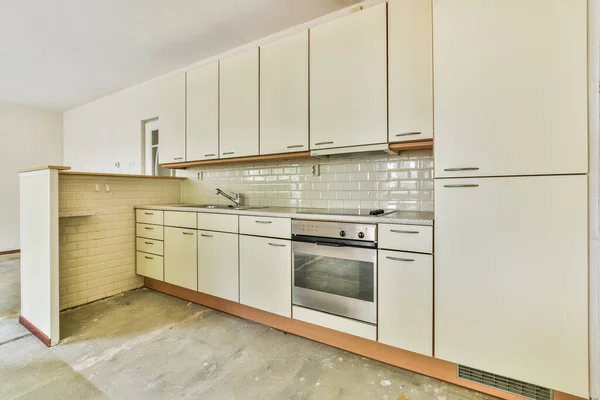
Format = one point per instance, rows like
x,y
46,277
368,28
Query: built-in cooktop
x,y
362,212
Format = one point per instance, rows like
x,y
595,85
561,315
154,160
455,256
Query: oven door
x,y
337,280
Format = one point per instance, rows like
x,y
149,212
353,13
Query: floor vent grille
x,y
503,383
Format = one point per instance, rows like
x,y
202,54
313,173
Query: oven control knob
x,y
361,235
342,233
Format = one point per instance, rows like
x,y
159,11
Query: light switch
x,y
107,188
97,188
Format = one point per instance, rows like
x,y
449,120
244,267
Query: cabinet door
x,y
406,301
284,95
171,118
203,113
348,80
511,278
410,74
266,274
218,264
239,105
510,87
181,263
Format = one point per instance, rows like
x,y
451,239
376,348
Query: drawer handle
x,y
408,134
295,146
178,158
148,243
149,258
148,213
229,152
264,222
149,228
210,155
462,169
276,244
400,259
399,231
320,143
205,235
470,185
188,233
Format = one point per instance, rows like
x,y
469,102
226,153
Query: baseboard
x,y
33,329
436,368
7,252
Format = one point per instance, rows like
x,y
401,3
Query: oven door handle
x,y
330,244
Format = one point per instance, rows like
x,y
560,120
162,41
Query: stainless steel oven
x,y
335,268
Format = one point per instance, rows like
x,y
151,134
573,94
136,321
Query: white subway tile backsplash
x,y
403,182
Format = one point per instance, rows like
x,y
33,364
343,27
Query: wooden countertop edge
x,y
58,167
104,174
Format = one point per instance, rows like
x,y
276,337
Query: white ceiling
x,y
58,54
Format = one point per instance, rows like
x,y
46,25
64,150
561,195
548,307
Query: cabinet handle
x,y
399,231
148,243
462,169
205,235
470,185
178,158
320,143
264,222
400,259
149,228
295,146
276,244
187,233
149,258
408,134
229,152
210,155
149,213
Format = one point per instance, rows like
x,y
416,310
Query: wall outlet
x,y
107,188
199,175
316,170
97,188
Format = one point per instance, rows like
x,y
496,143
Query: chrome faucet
x,y
237,199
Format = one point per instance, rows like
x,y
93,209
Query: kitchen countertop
x,y
397,217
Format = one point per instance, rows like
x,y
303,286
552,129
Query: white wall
x,y
28,138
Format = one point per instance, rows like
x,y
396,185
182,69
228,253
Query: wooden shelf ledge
x,y
404,146
80,213
103,174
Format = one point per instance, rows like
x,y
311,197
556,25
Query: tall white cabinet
x,y
239,105
510,87
171,119
284,95
410,70
348,80
202,114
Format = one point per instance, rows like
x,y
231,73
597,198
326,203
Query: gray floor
x,y
146,345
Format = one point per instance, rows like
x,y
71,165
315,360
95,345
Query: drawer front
x,y
218,222
406,238
330,321
149,231
180,219
149,217
150,265
149,246
266,226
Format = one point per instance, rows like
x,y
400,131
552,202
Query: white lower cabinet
x,y
511,278
266,274
181,257
149,265
406,301
218,264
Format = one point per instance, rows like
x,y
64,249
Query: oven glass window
x,y
339,276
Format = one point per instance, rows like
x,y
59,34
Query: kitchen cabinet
x,y
266,274
406,301
203,113
348,80
238,79
510,99
284,95
511,286
149,265
171,118
181,257
410,74
218,264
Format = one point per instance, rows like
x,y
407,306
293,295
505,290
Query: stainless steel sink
x,y
220,206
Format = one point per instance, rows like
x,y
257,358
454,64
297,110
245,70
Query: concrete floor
x,y
147,345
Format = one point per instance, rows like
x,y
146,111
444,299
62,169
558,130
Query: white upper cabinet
x,y
511,277
284,95
510,87
171,118
203,113
348,80
410,74
239,105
